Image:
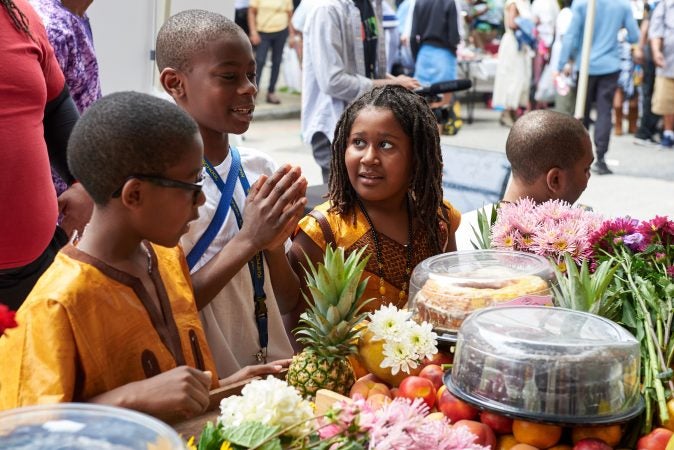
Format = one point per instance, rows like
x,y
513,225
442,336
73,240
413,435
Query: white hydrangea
x,y
271,402
388,322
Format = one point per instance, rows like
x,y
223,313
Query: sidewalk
x,y
290,107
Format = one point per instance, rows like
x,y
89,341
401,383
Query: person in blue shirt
x,y
612,15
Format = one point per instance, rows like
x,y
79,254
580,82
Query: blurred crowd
x,y
536,66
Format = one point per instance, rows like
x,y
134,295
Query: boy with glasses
x,y
113,320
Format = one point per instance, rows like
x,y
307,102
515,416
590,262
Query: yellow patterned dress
x,y
353,236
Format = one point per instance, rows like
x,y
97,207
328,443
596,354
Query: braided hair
x,y
419,124
17,16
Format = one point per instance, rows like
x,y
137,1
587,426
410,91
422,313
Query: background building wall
x,y
124,34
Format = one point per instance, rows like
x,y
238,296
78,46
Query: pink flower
x,y
329,431
550,229
670,271
604,238
659,229
553,210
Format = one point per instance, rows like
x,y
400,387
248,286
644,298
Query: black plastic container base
x,y
553,419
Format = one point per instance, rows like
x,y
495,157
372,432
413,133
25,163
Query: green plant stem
x,y
663,363
653,350
668,324
648,423
316,444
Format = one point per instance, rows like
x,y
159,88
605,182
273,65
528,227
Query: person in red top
x,y
36,118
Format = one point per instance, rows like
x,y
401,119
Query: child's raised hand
x,y
273,207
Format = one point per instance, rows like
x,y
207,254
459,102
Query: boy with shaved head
x,y
236,250
550,154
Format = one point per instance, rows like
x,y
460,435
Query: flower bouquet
x,y
270,415
643,256
551,229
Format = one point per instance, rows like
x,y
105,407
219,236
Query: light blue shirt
x,y
334,64
610,17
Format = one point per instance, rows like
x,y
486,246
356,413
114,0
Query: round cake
x,y
445,301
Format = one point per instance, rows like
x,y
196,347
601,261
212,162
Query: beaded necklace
x,y
377,246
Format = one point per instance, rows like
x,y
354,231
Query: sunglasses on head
x,y
166,182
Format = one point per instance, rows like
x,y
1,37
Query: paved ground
x,y
642,185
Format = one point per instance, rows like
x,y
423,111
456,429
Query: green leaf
x,y
252,434
211,437
484,224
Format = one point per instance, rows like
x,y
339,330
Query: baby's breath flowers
x,y
406,343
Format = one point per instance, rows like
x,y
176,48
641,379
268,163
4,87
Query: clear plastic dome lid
x,y
547,364
446,288
84,426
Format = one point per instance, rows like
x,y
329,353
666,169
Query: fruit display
x,y
328,327
446,288
547,364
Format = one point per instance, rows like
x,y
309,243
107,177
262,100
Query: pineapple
x,y
327,328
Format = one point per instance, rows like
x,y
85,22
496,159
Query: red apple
x,y
500,424
439,359
593,444
434,373
454,408
484,435
417,387
655,440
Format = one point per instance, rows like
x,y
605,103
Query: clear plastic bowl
x,y
547,364
445,289
76,426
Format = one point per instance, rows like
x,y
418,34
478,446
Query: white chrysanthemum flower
x,y
399,356
271,402
423,339
387,322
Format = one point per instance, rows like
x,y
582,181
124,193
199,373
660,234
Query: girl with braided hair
x,y
385,192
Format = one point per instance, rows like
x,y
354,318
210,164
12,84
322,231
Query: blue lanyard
x,y
255,265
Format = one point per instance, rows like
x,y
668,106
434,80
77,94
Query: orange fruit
x,y
506,442
523,447
357,366
371,355
561,447
611,434
536,434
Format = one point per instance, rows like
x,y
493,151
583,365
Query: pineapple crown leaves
x,y
335,286
584,291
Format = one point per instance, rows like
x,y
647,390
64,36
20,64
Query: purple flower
x,y
634,241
